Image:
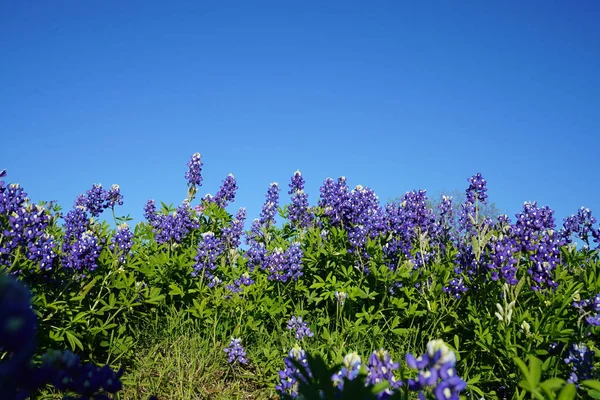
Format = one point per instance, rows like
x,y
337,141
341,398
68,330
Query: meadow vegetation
x,y
345,298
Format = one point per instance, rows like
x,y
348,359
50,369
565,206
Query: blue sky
x,y
394,95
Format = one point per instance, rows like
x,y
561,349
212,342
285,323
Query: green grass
x,y
177,361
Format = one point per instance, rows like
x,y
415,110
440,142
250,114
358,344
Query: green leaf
x,y
592,384
535,371
552,384
73,340
568,392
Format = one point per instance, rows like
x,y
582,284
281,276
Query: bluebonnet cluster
x,y
243,280
350,370
288,377
26,228
114,197
96,200
581,360
581,225
255,255
43,250
209,250
194,172
300,328
364,216
455,287
226,193
406,221
231,235
122,242
150,212
590,308
269,209
503,259
26,224
436,372
477,189
467,219
281,265
334,200
84,253
534,232
381,368
171,227
235,352
93,200
299,214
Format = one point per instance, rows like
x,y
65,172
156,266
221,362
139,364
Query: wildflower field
x,y
341,298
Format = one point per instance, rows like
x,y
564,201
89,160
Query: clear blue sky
x,y
394,95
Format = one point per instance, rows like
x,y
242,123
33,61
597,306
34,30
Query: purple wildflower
x,y
299,214
194,172
236,352
226,193
350,370
122,242
289,376
209,249
300,328
267,215
477,189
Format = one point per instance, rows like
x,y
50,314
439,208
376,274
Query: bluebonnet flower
x,y
12,197
84,253
194,172
231,234
436,371
580,224
256,255
43,251
122,241
26,228
590,308
174,227
350,370
455,287
289,376
298,213
467,219
269,209
236,352
365,218
93,200
243,280
503,259
226,193
381,368
407,223
300,328
535,236
477,189
334,199
581,360
284,265
113,197
150,212
209,249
